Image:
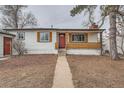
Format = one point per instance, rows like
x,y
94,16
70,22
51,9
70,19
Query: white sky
x,y
58,16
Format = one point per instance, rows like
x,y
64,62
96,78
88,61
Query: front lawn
x,y
32,71
96,71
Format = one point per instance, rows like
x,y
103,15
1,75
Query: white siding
x,y
84,51
1,45
92,37
35,47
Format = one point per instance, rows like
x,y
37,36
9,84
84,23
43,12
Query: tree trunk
x,y
113,29
16,17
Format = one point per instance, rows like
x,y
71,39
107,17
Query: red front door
x,y
7,45
61,40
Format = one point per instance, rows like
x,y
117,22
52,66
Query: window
x,y
78,37
21,35
44,36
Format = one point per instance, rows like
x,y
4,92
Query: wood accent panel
x,y
78,45
83,45
50,36
56,45
57,39
66,39
38,36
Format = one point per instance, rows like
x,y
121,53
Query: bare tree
x,y
14,17
110,11
19,46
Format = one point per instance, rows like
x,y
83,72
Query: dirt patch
x,y
32,71
96,71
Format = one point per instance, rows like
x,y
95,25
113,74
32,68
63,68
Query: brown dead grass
x,y
96,71
32,71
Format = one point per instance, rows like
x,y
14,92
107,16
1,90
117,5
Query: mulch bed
x,y
29,71
96,71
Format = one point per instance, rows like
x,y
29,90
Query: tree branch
x,y
121,13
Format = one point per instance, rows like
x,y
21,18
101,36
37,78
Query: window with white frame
x,y
21,35
44,36
78,37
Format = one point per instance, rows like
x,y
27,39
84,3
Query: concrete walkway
x,y
1,59
63,76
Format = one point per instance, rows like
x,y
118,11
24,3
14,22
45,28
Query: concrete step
x,y
62,52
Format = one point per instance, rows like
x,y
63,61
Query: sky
x,y
57,15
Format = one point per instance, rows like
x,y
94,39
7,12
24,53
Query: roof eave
x,y
55,29
7,34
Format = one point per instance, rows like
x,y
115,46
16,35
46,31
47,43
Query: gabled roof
x,y
56,29
5,33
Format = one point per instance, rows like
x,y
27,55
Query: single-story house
x,y
50,40
6,44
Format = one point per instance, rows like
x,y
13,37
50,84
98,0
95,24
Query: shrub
x,y
19,46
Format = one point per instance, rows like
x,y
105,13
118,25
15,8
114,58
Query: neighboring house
x,y
50,40
6,44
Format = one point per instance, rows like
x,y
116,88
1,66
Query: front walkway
x,y
63,76
4,58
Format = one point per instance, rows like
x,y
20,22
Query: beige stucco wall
x,y
92,37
